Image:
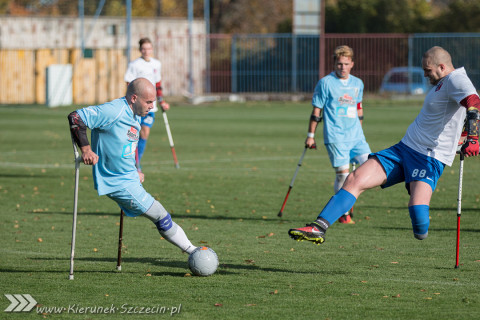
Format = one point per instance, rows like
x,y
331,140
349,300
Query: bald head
x,y
436,64
139,87
141,95
437,55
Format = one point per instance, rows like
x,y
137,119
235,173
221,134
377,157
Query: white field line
x,y
163,163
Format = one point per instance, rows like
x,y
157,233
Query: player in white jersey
x,y
419,158
339,95
115,127
147,67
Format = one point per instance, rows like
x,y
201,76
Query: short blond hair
x,y
342,51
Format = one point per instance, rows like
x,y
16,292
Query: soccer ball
x,y
203,261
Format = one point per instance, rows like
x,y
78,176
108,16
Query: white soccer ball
x,y
203,261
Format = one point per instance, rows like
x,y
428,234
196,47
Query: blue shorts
x,y
148,120
134,200
402,163
341,154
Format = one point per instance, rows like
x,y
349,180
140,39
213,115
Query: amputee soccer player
x,y
150,68
339,95
429,144
115,128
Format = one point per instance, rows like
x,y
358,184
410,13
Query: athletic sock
x,y
340,178
419,214
142,143
177,236
337,206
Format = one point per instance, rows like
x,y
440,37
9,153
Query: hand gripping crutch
x,y
170,139
459,206
78,159
280,213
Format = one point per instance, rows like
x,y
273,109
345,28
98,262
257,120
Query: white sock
x,y
177,236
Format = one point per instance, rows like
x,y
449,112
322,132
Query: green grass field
x,y
236,164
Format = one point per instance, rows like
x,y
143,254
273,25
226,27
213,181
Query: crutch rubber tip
x,y
177,166
280,214
456,267
70,277
119,268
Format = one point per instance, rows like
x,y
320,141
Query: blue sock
x,y
142,143
419,215
340,203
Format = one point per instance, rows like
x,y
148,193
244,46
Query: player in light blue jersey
x,y
115,128
338,100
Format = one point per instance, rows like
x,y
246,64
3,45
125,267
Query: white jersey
x,y
140,68
437,129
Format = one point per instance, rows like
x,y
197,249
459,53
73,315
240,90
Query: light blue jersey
x,y
115,133
338,99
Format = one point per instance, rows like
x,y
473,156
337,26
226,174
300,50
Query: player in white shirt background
x,y
149,68
429,144
337,100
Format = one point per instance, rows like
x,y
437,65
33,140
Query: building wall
x,y
28,45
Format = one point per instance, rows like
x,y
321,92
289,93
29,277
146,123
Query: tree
x,y
461,16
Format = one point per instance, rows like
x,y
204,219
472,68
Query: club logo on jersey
x,y
132,134
439,86
346,99
128,150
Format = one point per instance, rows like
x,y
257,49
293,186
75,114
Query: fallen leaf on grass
x,y
250,261
274,292
394,262
396,296
148,275
218,305
187,275
40,240
250,305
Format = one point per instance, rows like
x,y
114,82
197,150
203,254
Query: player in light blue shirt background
x,y
115,128
338,100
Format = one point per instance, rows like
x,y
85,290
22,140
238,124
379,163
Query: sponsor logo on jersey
x,y
346,99
133,134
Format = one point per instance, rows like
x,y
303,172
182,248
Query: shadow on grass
x,y
175,216
429,229
359,207
224,268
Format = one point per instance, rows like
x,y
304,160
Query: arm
x,y
78,130
163,104
472,104
315,118
360,112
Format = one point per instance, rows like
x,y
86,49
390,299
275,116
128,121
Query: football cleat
x,y
346,219
311,232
